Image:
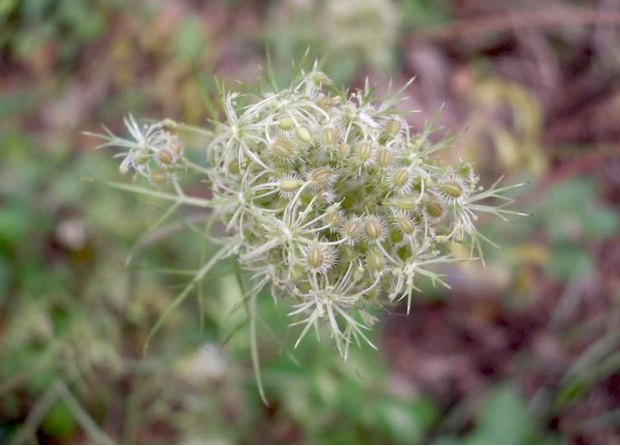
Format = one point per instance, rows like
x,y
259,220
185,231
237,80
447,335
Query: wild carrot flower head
x,y
328,196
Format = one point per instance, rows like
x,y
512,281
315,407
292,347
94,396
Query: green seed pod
x,y
374,229
385,158
166,156
303,134
290,185
359,273
406,225
452,188
316,258
434,209
401,177
233,167
143,157
286,123
332,218
408,203
393,127
159,177
375,261
329,135
321,177
283,149
352,228
364,152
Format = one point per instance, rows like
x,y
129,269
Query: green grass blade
x,y
97,435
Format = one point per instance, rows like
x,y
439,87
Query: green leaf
x,y
191,40
503,419
570,196
573,210
4,280
6,7
403,424
569,393
418,13
13,226
59,423
569,261
600,223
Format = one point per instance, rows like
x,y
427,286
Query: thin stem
x,y
196,167
187,128
251,310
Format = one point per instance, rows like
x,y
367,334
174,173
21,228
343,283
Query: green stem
x,y
196,167
187,128
250,308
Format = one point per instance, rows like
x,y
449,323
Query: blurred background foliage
x,y
525,350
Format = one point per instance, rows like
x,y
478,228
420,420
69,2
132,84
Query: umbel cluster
x,y
326,195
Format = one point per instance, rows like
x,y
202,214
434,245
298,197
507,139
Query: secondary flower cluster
x,y
332,199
